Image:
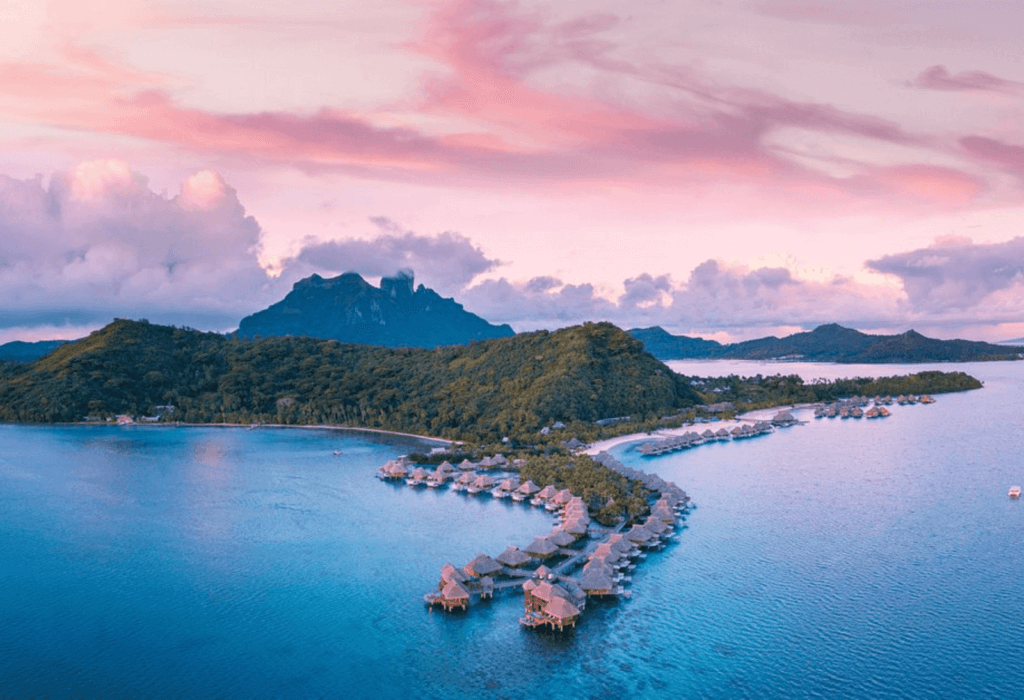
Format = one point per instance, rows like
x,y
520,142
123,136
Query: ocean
x,y
835,559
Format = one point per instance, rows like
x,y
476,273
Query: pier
x,y
545,570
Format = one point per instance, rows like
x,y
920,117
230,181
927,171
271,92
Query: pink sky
x,y
724,169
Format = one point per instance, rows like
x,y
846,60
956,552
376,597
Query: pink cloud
x,y
938,78
517,131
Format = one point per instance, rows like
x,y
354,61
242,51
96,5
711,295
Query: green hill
x,y
501,387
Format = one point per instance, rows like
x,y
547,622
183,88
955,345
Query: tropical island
x,y
827,343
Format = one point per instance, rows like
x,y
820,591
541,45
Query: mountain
x,y
20,351
662,344
484,391
828,343
350,310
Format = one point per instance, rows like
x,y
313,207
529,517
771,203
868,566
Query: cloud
x,y
96,242
715,297
957,274
445,262
938,78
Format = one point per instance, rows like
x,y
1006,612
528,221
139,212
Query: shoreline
x,y
748,417
253,426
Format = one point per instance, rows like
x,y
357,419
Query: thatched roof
x,y
561,609
655,525
509,484
466,478
419,473
596,579
562,497
446,466
455,591
484,481
561,538
639,534
575,527
549,591
450,573
542,572
541,547
529,488
548,491
482,565
512,557
466,466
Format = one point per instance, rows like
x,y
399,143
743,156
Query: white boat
x,y
1014,492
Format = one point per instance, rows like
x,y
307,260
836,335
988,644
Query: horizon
x,y
724,172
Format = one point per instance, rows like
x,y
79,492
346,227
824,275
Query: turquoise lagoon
x,y
838,559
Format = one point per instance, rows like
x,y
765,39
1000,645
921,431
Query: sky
x,y
722,169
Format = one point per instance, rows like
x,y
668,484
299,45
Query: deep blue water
x,y
835,559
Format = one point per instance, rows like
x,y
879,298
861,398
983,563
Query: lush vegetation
x,y
828,343
609,495
748,393
481,392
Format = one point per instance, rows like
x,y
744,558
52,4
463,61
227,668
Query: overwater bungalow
x,y
784,418
506,488
393,469
561,538
926,399
454,595
481,484
561,613
466,466
597,583
536,596
576,527
499,460
656,526
486,463
446,467
641,536
548,492
418,477
513,558
525,491
449,573
541,548
482,565
438,478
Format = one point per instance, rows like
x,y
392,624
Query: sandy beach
x,y
749,417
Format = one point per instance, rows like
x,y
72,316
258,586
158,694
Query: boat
x,y
1014,492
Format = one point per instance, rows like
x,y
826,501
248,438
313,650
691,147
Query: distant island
x,y
21,351
827,343
349,309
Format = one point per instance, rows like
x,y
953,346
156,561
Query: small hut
x,y
454,595
561,538
561,613
597,582
543,572
466,466
513,558
541,547
482,565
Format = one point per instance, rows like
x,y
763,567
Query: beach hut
x,y
513,558
482,565
561,613
454,595
541,547
466,466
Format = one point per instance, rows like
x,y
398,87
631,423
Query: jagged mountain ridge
x,y
827,343
349,309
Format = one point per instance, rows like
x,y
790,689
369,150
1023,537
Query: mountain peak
x,y
349,309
